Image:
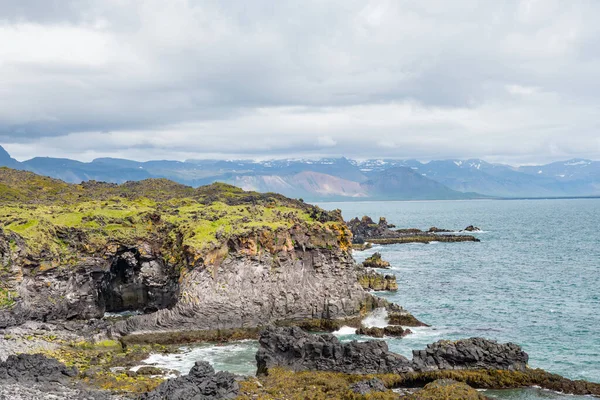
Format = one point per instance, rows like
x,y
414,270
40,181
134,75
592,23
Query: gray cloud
x,y
511,81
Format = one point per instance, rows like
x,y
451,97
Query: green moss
x,y
7,298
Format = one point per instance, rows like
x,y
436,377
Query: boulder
x,y
202,383
471,228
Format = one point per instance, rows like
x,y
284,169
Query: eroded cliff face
x,y
272,276
222,258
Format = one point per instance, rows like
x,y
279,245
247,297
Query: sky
x,y
506,81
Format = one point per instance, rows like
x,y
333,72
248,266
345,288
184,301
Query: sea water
x,y
534,279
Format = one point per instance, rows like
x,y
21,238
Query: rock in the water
x,y
474,353
371,280
202,383
396,331
404,318
375,261
471,228
297,350
435,229
446,389
368,386
31,368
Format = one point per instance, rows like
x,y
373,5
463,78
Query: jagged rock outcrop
x,y
474,353
371,280
365,230
375,261
404,318
34,368
391,330
202,383
297,350
471,228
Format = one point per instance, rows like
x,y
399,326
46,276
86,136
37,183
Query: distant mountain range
x,y
341,178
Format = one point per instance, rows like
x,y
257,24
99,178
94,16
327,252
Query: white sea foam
x,y
378,318
345,331
235,357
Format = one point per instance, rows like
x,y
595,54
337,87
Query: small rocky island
x,y
95,277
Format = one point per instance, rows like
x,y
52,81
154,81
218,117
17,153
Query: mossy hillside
x,y
55,218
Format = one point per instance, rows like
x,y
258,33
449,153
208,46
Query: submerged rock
x,y
202,383
404,318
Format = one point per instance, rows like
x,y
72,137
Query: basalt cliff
x,y
212,258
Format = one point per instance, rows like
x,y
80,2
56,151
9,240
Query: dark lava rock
x,y
396,331
474,353
368,386
292,348
375,261
471,228
202,383
26,368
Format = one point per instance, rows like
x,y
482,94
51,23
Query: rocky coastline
x,y
94,277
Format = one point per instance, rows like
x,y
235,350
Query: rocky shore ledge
x,y
364,230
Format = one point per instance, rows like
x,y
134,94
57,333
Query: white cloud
x,y
510,81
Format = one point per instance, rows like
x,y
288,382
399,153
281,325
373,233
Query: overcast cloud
x,y
507,81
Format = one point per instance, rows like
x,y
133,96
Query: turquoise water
x,y
534,279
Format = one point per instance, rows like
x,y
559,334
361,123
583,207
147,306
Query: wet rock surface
x,y
202,383
395,331
297,350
